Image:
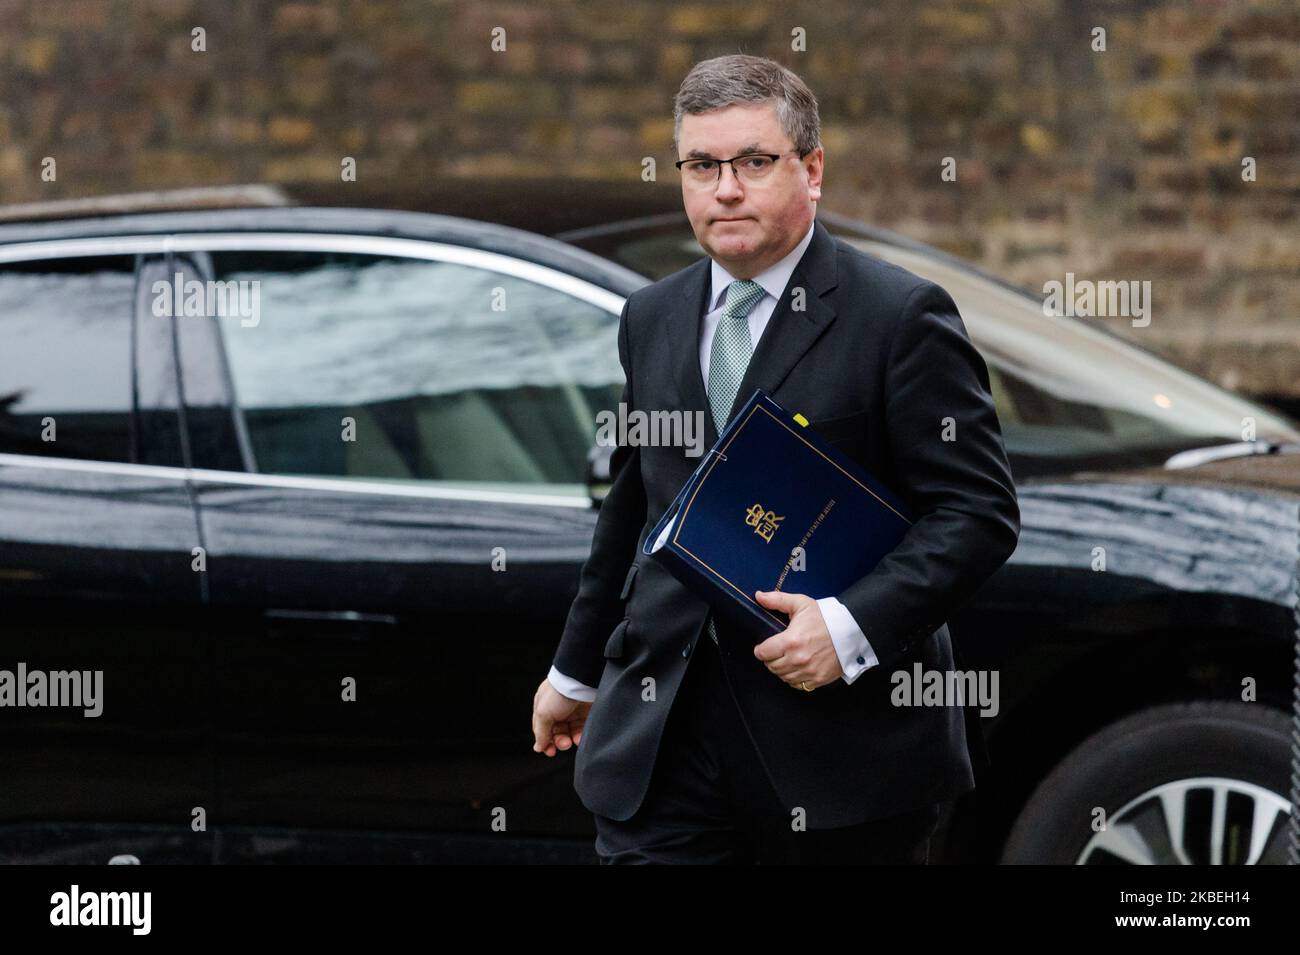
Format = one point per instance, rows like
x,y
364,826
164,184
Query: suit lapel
x,y
788,335
684,341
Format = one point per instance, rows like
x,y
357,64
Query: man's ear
x,y
815,172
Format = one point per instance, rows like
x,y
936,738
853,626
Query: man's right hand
x,y
557,720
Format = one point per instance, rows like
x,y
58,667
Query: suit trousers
x,y
710,801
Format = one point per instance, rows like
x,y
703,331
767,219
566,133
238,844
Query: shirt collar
x,y
773,279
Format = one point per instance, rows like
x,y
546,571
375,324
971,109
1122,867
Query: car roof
x,y
546,205
163,200
497,211
424,226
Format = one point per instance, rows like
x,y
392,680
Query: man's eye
x,y
705,164
756,162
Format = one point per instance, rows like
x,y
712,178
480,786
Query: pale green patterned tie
x,y
729,357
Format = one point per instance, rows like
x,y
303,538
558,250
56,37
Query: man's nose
x,y
728,183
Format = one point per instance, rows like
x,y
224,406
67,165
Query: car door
x,y
392,440
97,592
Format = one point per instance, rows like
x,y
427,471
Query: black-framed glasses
x,y
751,167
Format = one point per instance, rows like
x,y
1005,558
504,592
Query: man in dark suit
x,y
694,744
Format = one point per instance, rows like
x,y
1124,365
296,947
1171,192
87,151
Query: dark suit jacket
x,y
876,361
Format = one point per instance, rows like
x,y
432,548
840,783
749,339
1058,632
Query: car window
x,y
392,368
65,358
655,251
1069,391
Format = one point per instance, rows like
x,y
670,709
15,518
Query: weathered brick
x,y
315,168
290,131
519,57
954,24
1281,23
1270,65
318,18
608,139
654,137
1157,111
607,20
551,134
172,168
717,20
37,54
569,58
1162,214
1039,140
1158,257
71,15
506,97
1271,254
675,60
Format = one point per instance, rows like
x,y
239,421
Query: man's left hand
x,y
803,652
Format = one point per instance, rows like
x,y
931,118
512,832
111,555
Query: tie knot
x,y
742,296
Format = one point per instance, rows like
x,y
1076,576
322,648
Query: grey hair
x,y
739,78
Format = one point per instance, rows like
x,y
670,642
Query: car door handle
x,y
327,624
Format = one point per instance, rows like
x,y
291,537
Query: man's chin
x,y
732,247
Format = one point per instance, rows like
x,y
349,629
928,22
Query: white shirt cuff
x,y
568,686
851,645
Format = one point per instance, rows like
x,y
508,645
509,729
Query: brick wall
x,y
1123,164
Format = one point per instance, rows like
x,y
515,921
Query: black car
x,y
311,489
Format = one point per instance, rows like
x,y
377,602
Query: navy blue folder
x,y
769,486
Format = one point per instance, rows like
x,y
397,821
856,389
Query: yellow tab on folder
x,y
801,419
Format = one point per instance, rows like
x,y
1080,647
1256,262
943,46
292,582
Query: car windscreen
x,y
1068,390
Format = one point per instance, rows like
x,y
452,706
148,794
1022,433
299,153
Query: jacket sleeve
x,y
598,607
968,518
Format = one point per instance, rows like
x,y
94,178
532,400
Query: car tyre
x,y
1183,783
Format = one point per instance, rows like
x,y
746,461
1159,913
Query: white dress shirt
x,y
851,644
